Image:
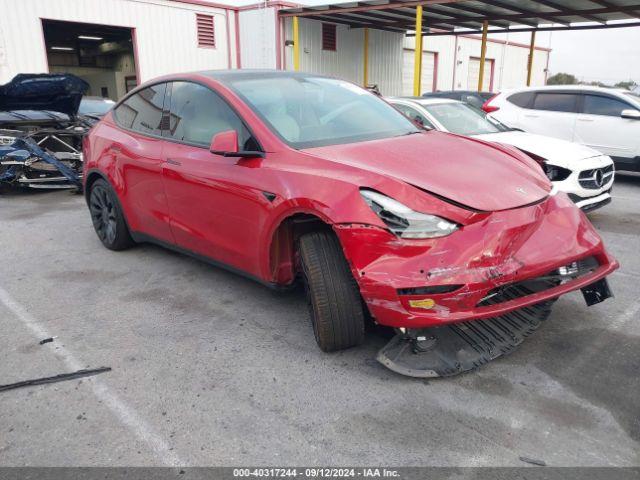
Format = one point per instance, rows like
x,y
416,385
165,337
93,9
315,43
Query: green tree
x,y
562,79
629,85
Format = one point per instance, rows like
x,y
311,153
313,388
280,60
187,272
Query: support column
x,y
483,54
296,45
532,47
417,59
365,77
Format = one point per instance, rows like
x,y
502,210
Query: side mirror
x,y
631,114
226,144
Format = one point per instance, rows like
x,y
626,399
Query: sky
x,y
608,56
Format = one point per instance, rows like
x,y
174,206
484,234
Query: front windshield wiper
x,y
412,133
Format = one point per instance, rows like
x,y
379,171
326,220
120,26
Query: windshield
x,y
462,119
97,106
313,111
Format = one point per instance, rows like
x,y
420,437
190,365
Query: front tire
x,y
334,300
107,217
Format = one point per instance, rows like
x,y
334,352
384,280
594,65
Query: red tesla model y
x,y
460,245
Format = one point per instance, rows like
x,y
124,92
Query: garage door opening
x,y
474,74
429,79
101,55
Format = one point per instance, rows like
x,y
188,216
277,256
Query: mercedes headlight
x,y
404,222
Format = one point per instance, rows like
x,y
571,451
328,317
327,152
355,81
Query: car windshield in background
x,y
635,94
462,119
95,106
314,111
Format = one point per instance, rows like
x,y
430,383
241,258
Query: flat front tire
x,y
334,300
107,217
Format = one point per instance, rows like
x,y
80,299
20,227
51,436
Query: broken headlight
x,y
404,222
556,174
553,172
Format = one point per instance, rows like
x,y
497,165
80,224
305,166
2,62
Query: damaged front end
x,y
41,132
462,300
461,347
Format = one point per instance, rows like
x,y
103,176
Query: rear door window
x,y
197,113
602,105
142,112
556,102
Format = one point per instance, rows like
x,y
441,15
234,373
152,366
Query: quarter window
x,y
555,102
197,114
414,115
142,111
521,99
600,105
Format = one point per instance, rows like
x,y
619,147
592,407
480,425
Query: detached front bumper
x,y
506,261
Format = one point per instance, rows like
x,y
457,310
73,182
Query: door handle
x,y
585,119
529,115
173,161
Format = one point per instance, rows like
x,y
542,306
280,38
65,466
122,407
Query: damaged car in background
x,y
41,131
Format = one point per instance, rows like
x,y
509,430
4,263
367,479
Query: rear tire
x,y
333,296
107,217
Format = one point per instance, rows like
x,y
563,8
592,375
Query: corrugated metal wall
x,y
258,38
385,55
386,59
166,41
509,62
165,33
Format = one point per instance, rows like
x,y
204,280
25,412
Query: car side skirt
x,y
139,237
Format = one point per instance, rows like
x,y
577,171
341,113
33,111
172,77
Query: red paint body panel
x,y
133,163
216,204
453,167
229,210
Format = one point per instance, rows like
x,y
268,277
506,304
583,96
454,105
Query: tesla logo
x,y
521,190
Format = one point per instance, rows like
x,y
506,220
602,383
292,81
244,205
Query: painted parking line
x,y
631,312
123,412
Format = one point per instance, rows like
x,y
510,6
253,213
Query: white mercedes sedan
x,y
585,174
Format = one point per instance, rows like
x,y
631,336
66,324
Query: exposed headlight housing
x,y
553,172
404,222
556,174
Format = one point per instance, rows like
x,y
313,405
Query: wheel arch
x,y
92,176
282,245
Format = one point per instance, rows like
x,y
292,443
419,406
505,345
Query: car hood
x,y
559,152
464,170
56,92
